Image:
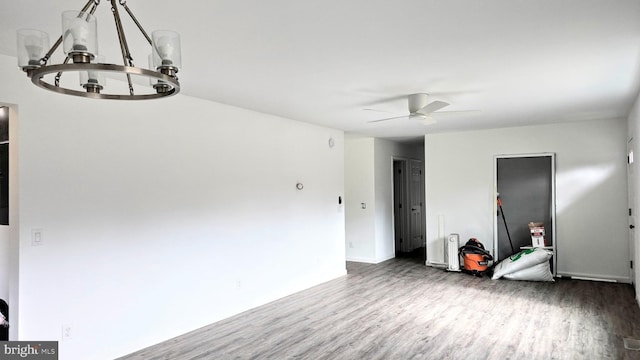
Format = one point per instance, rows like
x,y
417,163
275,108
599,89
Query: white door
x,y
399,206
416,199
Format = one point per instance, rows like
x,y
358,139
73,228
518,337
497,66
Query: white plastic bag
x,y
540,272
522,260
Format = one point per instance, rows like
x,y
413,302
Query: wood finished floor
x,y
401,309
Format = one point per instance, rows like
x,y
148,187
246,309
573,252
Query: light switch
x,y
36,237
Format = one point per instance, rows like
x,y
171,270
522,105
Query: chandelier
x,y
79,41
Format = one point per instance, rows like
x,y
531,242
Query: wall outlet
x,y
350,245
67,332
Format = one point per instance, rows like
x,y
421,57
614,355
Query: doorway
x,y
400,215
631,190
408,204
4,165
5,236
525,185
9,229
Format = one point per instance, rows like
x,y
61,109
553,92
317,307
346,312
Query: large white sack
x,y
540,272
521,260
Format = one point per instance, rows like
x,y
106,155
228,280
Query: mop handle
x,y
505,223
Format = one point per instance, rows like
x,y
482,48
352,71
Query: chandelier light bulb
x,y
93,77
32,45
166,50
34,48
80,34
79,30
93,80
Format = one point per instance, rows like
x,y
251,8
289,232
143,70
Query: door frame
x,y
553,201
14,223
406,210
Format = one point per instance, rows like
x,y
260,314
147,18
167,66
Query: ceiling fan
x,y
419,109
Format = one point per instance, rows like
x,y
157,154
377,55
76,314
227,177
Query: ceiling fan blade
x,y
392,118
432,107
376,110
385,100
455,112
427,121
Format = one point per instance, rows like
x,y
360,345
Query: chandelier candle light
x,y
79,42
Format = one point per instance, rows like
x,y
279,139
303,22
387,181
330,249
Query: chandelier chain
x,y
59,74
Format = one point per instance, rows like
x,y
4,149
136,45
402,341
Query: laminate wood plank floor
x,y
401,309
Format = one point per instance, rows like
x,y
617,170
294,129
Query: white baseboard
x,y
437,264
369,260
361,260
388,257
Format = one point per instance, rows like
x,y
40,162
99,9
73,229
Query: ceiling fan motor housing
x,y
417,102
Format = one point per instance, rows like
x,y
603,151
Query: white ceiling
x,y
513,62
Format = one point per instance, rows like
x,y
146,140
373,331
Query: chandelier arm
x,y
135,20
124,47
47,56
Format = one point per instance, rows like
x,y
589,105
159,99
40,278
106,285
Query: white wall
x,y
633,133
368,179
385,152
160,217
359,187
590,190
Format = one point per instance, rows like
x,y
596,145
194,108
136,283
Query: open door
x,y
408,200
526,186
